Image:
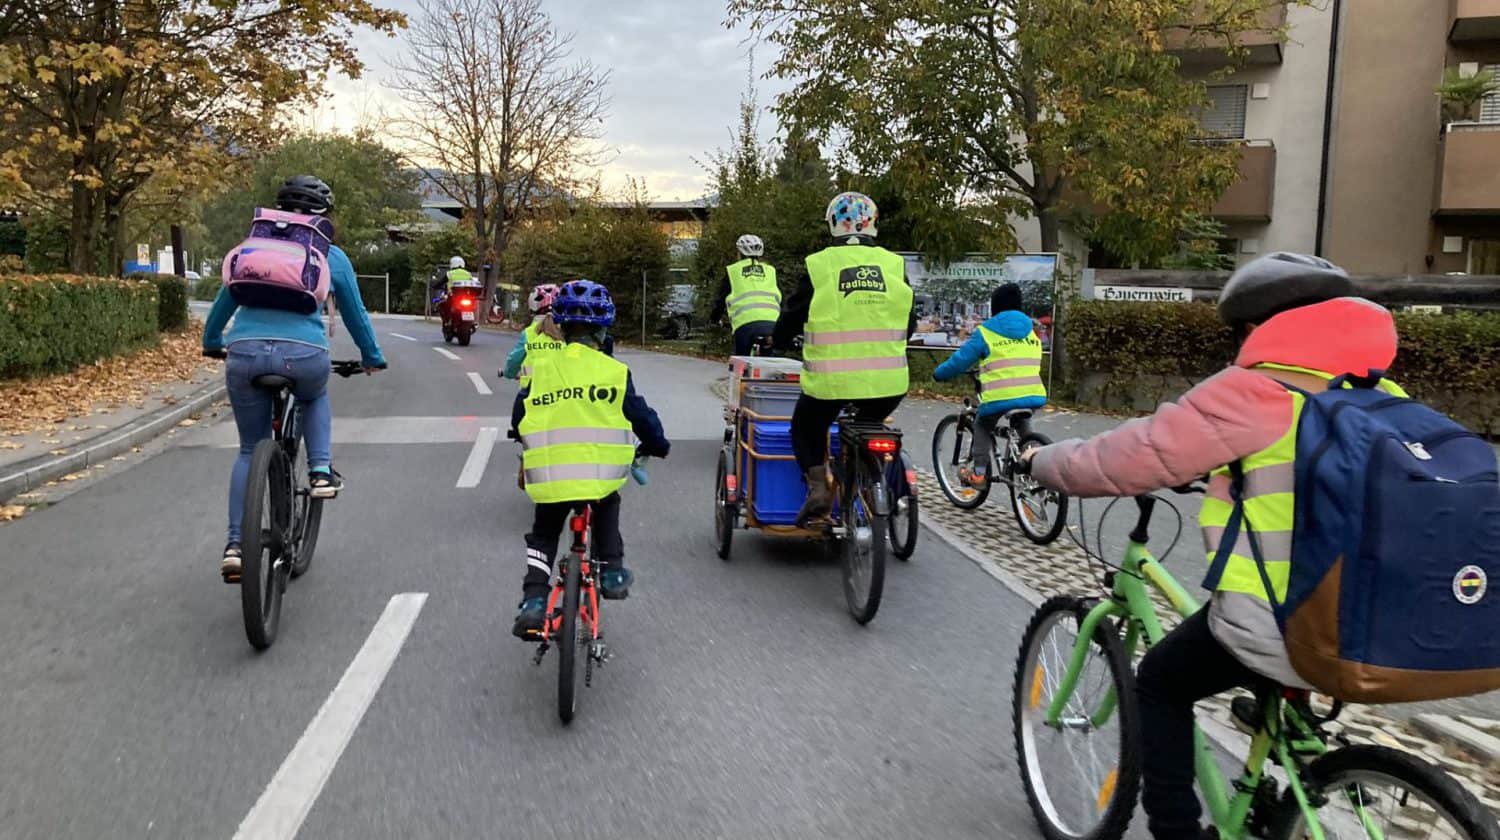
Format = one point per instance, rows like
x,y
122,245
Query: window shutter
x,y
1489,107
1225,114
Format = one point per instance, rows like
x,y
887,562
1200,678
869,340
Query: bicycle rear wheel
x,y
863,548
264,528
1041,513
568,642
905,518
1082,774
307,521
952,449
725,514
1377,792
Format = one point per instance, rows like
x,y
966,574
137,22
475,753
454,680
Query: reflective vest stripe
x,y
1013,382
744,309
1000,364
850,365
758,293
583,434
576,472
1275,546
823,339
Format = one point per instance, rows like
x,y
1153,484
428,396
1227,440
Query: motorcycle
x,y
460,315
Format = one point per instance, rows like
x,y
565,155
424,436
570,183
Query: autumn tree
x,y
1004,105
499,115
101,96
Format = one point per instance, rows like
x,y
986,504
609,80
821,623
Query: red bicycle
x,y
572,622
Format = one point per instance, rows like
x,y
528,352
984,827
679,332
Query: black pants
x,y
1185,667
749,335
547,527
985,429
812,416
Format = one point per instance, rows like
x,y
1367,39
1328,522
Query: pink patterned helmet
x,y
541,298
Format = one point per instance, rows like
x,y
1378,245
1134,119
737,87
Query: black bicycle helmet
x,y
305,194
1277,282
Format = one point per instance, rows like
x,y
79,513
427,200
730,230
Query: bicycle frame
x,y
1285,736
588,603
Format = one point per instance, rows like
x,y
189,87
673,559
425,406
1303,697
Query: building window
x,y
1224,116
1489,107
1484,256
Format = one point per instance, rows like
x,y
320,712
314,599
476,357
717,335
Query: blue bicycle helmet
x,y
583,302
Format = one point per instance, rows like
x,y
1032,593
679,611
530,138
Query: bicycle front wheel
x,y
952,451
865,533
263,528
568,642
1041,513
1081,773
1376,792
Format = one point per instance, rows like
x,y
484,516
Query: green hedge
x,y
57,322
206,288
172,300
1449,361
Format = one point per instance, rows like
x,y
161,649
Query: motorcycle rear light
x,y
883,446
466,303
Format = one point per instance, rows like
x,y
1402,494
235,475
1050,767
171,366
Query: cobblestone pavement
x,y
1062,568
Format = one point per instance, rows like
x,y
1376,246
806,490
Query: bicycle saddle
x,y
271,382
1018,414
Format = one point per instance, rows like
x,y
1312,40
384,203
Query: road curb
x,y
1472,740
29,475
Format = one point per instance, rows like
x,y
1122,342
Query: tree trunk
x,y
496,252
1051,228
83,231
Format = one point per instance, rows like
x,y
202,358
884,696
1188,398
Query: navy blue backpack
x,y
1395,541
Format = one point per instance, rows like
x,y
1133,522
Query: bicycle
x,y
281,519
1041,513
1062,703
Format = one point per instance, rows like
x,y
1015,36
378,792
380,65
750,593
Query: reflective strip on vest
x,y
824,339
585,434
1269,499
1001,364
850,365
577,472
855,336
1017,382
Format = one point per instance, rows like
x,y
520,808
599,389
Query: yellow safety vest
x,y
458,275
536,343
753,293
855,342
578,444
1013,368
1269,498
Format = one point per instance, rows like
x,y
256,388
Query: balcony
x,y
1262,45
1250,197
1469,170
1475,21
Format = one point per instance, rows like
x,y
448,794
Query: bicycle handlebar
x,y
343,367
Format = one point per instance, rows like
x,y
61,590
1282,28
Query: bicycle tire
x,y
965,498
309,525
567,642
1349,765
1037,535
1119,787
261,583
725,514
905,519
863,604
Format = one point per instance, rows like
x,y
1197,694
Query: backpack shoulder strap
x,y
1237,522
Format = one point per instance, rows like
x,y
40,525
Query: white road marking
x,y
446,352
407,337
479,384
479,458
286,801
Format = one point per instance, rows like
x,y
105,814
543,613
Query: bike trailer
x,y
283,263
1396,538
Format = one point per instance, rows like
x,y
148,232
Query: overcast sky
x,y
676,77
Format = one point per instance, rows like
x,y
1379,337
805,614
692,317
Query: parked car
x,y
678,312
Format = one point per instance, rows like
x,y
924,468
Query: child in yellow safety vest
x,y
1008,355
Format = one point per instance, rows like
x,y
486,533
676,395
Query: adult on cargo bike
x,y
854,312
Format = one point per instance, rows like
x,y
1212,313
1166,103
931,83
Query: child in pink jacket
x,y
1298,325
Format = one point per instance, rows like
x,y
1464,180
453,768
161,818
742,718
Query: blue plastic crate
x,y
779,490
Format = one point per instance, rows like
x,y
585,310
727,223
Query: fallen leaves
x,y
45,402
74,476
9,444
9,512
187,421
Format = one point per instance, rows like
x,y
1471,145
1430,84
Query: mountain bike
x,y
281,519
1079,747
1041,513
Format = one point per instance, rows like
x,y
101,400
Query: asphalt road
x,y
742,702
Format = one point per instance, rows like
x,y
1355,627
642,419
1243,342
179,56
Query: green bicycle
x,y
1079,748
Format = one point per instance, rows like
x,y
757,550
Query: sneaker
x,y
973,477
529,620
232,564
614,583
325,484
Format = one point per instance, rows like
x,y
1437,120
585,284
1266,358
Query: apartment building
x,y
1363,169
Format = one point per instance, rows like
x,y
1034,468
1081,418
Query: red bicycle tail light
x,y
731,488
883,446
911,481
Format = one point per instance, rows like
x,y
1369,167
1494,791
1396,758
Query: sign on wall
x,y
952,299
1142,294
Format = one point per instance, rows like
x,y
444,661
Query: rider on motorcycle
x,y
856,309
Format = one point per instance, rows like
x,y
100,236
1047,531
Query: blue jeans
x,y
308,368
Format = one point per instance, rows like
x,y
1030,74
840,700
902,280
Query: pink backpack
x,y
283,263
